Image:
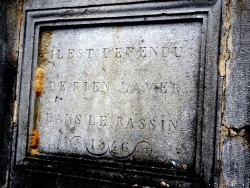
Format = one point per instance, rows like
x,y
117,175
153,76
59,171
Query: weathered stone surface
x,y
3,55
236,163
118,92
132,92
235,132
46,4
237,92
234,151
7,79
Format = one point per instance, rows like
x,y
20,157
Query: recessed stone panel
x,y
120,92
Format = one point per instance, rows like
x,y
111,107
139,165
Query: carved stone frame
x,y
140,12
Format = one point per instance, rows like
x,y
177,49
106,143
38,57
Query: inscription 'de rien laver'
x,y
121,91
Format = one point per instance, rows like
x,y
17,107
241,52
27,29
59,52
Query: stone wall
x,y
232,143
235,135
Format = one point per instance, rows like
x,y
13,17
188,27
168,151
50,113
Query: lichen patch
x,y
39,82
44,43
227,46
35,139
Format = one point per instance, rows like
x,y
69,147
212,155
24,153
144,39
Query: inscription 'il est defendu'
x,y
173,49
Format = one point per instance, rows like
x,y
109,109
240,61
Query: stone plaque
x,y
120,91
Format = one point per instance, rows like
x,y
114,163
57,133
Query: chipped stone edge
x,y
224,72
227,132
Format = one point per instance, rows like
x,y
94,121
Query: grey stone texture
x,y
93,100
235,163
235,158
237,91
3,55
7,83
121,94
191,130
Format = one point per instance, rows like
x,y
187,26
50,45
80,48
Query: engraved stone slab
x,y
120,92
